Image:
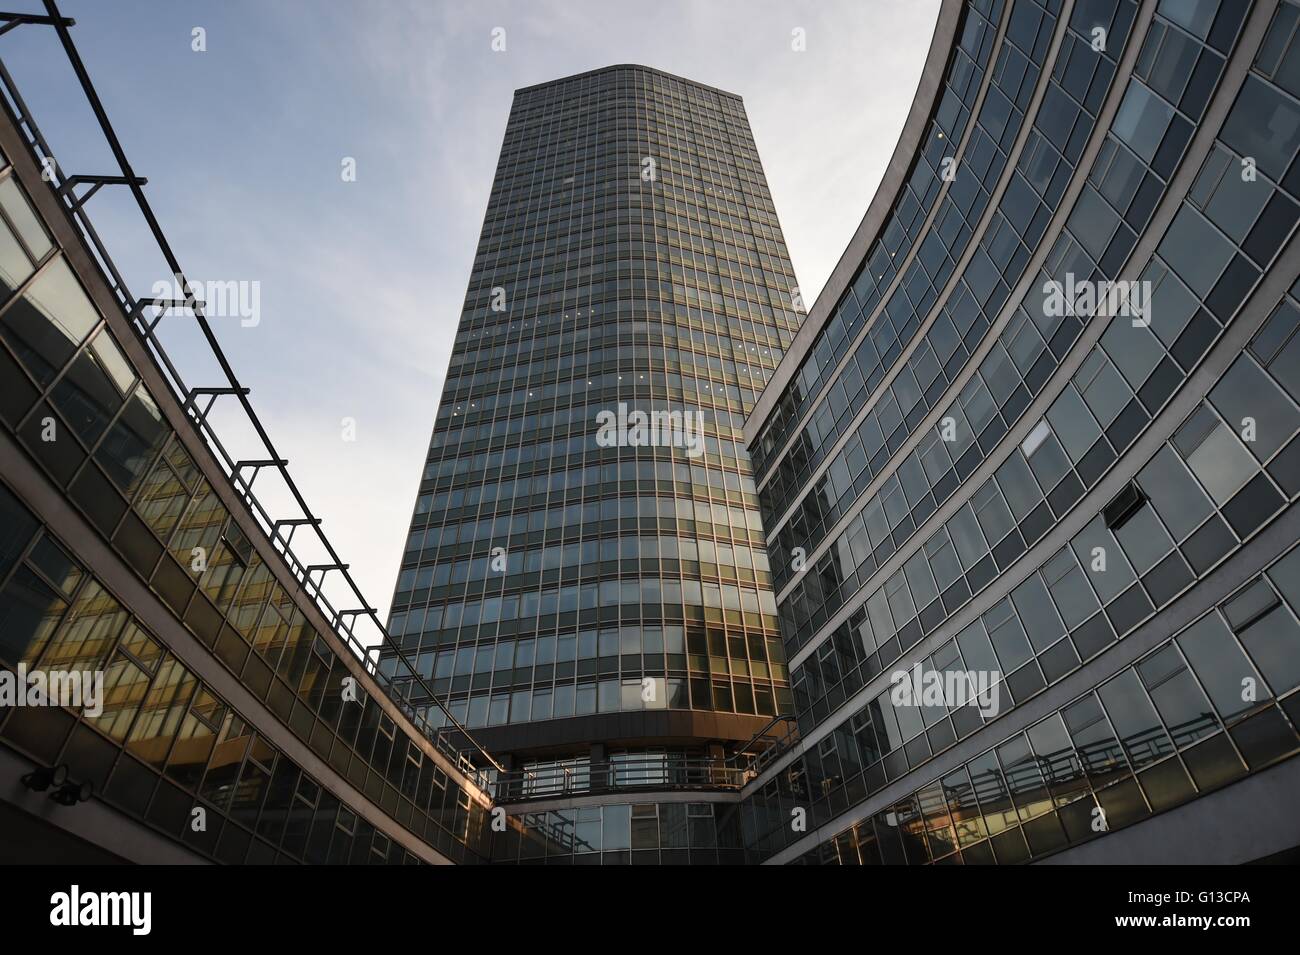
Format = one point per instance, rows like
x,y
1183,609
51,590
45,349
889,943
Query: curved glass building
x,y
1026,470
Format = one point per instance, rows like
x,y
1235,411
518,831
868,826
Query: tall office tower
x,y
585,580
1037,440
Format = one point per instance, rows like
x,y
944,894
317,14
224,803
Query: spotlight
x,y
39,780
70,793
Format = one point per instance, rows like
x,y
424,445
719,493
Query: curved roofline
x,y
634,66
900,163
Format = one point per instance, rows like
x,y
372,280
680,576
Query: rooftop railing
x,y
146,317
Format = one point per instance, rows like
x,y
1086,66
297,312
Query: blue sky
x,y
361,282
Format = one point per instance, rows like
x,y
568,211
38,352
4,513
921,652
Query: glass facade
x,y
638,833
630,261
167,744
981,481
1154,736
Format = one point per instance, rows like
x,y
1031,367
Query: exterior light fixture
x,y
39,780
70,793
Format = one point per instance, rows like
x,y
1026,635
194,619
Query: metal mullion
x,y
24,560
1236,636
6,174
112,420
1209,406
134,496
21,560
24,286
47,396
1177,753
1119,742
1241,717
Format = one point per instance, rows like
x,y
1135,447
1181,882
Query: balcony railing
x,y
618,774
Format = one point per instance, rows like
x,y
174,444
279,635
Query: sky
x,y
359,282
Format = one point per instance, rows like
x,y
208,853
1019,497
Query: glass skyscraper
x,y
582,594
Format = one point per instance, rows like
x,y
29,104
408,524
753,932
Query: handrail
x,y
342,622
755,761
618,774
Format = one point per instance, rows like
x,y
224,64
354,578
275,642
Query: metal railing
x,y
775,737
310,576
618,774
1039,777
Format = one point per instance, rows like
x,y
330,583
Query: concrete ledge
x,y
1252,818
